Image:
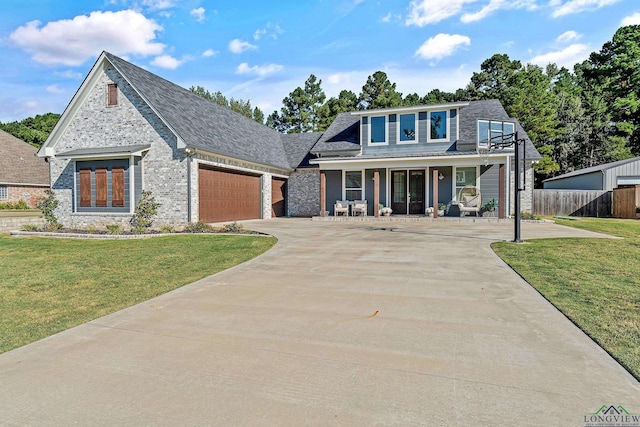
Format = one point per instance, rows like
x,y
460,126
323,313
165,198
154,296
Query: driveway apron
x,y
341,323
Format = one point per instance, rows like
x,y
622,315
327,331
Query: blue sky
x,y
262,50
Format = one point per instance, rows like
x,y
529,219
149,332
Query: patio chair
x,y
341,207
469,200
359,207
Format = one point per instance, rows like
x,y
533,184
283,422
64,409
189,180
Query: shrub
x,y
114,229
30,227
198,227
234,227
19,205
167,229
146,209
48,205
528,215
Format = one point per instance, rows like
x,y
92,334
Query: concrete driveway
x,y
351,324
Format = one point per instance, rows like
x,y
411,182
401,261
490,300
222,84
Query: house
x,y
23,176
603,177
412,158
127,130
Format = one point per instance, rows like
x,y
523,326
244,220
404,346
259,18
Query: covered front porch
x,y
415,190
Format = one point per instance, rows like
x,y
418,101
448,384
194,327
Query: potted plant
x,y
429,211
384,210
441,208
490,206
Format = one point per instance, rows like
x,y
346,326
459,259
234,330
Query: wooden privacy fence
x,y
625,202
594,203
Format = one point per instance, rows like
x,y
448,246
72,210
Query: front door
x,y
416,192
407,192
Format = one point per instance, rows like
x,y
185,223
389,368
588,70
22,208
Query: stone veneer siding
x,y
303,192
28,193
131,122
526,196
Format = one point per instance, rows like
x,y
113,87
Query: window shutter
x,y
112,94
101,187
85,188
117,186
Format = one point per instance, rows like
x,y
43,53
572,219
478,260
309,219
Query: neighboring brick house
x,y
127,130
23,176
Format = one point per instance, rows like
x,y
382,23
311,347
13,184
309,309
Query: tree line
x,y
576,118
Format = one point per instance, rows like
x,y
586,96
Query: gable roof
x,y
203,124
600,168
19,164
195,121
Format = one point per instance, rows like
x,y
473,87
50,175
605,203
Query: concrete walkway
x,y
350,324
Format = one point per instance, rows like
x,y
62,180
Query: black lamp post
x,y
505,141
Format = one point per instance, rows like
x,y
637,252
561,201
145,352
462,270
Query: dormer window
x,y
378,130
493,131
439,125
407,129
112,94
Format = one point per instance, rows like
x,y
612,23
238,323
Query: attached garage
x,y
278,197
228,195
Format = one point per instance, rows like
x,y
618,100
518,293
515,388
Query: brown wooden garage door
x,y
278,200
228,196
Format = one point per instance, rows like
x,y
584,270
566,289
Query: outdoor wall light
x,y
441,176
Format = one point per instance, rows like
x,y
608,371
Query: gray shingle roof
x,y
203,124
342,135
591,169
297,147
19,164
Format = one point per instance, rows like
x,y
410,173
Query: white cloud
x,y
567,57
495,5
442,45
54,89
68,74
209,52
259,33
271,30
168,61
238,46
568,36
260,71
73,41
631,20
425,12
159,4
576,6
198,14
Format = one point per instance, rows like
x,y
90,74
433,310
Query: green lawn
x,y
48,285
594,282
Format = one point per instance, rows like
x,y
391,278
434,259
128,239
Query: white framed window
x,y
466,176
4,193
438,126
407,129
493,131
378,130
353,188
